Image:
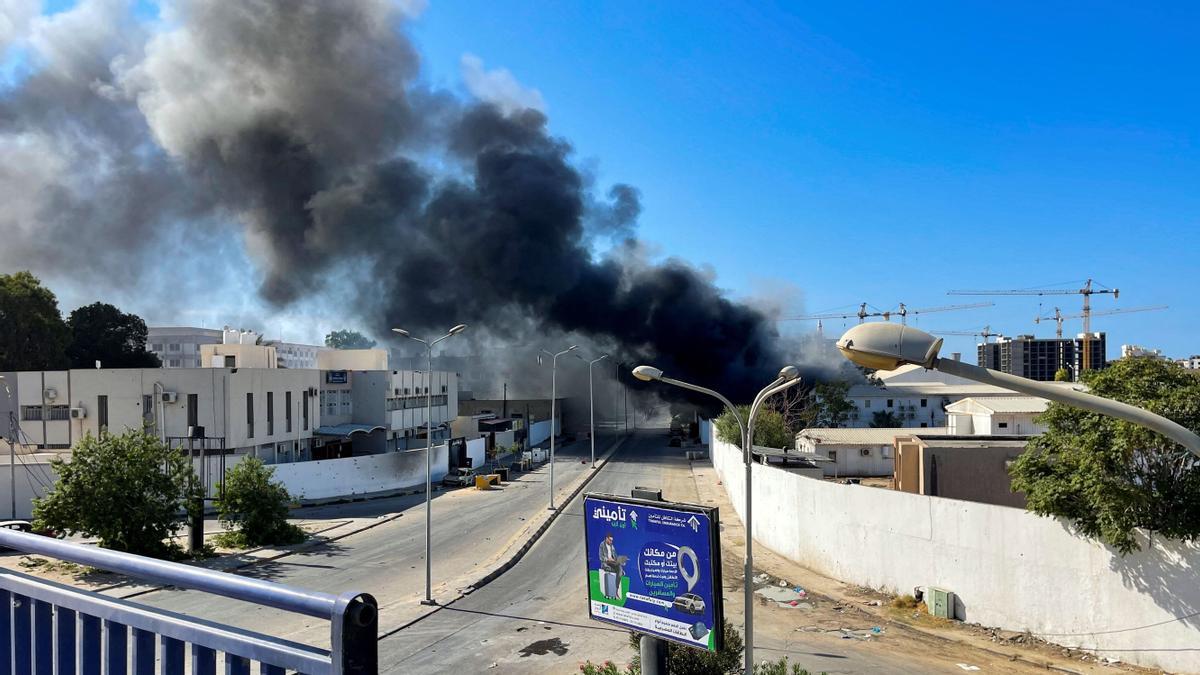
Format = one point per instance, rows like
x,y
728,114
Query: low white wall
x,y
33,479
540,431
1010,568
476,451
505,439
333,478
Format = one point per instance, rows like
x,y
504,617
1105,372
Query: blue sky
x,y
879,153
829,154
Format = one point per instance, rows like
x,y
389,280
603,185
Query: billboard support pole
x,y
653,650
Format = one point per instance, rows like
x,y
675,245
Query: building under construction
x,y
1040,358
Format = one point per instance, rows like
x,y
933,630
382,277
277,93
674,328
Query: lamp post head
x,y
887,346
400,331
647,373
457,329
789,373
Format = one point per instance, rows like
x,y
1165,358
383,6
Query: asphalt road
x,y
388,561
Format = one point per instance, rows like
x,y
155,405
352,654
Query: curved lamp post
x,y
592,405
789,376
553,403
428,453
887,346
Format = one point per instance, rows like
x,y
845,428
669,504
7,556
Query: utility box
x,y
940,602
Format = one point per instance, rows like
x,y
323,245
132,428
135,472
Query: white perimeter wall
x,y
540,431
332,478
32,480
476,449
1010,568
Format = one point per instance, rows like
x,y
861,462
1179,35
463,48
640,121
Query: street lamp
x,y
592,405
553,403
788,377
887,346
428,454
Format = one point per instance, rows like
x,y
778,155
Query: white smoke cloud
x,y
15,16
499,87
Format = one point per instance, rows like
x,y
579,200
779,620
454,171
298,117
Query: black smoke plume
x,y
303,131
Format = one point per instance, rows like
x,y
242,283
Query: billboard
x,y
655,568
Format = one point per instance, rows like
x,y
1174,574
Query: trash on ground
x,y
966,666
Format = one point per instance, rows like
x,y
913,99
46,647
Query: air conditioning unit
x,y
78,413
50,394
865,452
170,397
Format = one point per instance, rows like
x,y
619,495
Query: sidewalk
x,y
841,614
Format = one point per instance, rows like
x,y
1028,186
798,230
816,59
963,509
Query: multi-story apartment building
x,y
1191,363
1040,358
179,346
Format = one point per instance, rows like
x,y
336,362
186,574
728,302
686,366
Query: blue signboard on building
x,y
655,568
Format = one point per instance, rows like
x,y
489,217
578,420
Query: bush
x,y
126,490
683,660
769,429
255,507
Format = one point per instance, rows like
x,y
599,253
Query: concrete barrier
x,y
1008,568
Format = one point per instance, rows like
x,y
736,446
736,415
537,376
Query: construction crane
x,y
1058,317
902,311
1087,292
985,333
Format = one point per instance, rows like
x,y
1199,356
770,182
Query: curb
x,y
524,548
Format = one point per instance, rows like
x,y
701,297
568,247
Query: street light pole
x,y
553,404
789,376
885,346
429,455
592,405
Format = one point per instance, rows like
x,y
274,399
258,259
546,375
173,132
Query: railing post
x,y
355,635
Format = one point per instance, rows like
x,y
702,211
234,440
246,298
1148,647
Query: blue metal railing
x,y
49,627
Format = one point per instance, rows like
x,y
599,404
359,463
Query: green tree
x,y
683,660
255,507
33,335
885,419
769,429
1062,375
828,405
127,490
348,339
1110,477
101,332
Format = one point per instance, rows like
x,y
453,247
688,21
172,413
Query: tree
x,y
255,507
33,335
1062,375
101,332
769,429
1110,477
348,339
885,419
827,405
126,490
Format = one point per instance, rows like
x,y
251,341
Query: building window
x,y
156,347
193,410
59,413
889,403
443,388
924,425
347,399
174,346
102,412
249,415
287,412
148,409
231,362
270,413
867,403
924,403
305,399
173,363
1003,425
832,455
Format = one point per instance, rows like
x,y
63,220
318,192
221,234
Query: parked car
x,y
690,603
459,477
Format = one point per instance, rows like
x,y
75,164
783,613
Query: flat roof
x,y
1004,404
867,436
967,442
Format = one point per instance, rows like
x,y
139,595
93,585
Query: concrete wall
x,y
33,478
333,478
540,431
972,474
1010,568
476,451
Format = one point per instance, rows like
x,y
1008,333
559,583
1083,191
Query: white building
x,y
179,346
1191,363
1137,350
917,398
295,355
855,452
997,416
